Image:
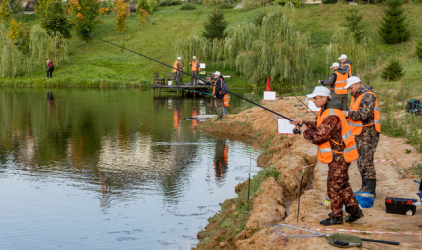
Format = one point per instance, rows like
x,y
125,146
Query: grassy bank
x,y
103,64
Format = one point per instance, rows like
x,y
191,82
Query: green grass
x,y
111,66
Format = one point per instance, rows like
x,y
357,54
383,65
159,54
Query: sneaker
x,y
331,221
353,218
46,77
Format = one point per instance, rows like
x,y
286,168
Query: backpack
x,y
414,107
225,88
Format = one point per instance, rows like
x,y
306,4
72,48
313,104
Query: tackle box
x,y
402,206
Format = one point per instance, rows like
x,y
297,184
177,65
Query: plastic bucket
x,y
169,82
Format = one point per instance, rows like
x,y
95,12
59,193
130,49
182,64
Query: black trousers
x,y
50,72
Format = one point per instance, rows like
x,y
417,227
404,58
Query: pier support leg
x,y
159,92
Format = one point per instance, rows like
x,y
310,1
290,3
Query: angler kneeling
x,y
337,147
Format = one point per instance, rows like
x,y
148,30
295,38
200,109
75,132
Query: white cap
x,y
179,58
343,57
352,80
194,57
319,91
217,73
335,65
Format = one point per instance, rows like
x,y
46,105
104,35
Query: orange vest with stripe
x,y
350,69
195,66
175,68
350,152
357,126
340,84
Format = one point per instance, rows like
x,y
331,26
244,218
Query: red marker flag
x,y
268,84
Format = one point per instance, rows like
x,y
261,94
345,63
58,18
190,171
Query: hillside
x,y
100,62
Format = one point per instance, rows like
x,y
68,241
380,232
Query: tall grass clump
x,y
272,49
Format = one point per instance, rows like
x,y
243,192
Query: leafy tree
x,y
14,31
147,5
215,26
419,50
122,11
393,71
84,13
53,18
17,5
143,15
5,11
353,22
394,28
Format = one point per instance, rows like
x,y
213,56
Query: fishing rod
x,y
241,97
206,93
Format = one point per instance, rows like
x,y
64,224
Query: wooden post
x,y
159,92
153,88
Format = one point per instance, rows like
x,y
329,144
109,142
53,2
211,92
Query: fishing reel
x,y
296,131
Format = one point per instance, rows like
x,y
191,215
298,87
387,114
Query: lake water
x,y
110,169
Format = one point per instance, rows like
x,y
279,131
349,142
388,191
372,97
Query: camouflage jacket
x,y
365,112
329,130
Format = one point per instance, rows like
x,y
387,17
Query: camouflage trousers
x,y
221,109
339,190
193,79
367,143
178,77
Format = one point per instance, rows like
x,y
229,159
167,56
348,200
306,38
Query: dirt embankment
x,y
277,200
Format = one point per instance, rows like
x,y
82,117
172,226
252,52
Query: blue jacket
x,y
218,87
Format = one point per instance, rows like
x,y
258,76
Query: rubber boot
x,y
331,221
371,185
363,184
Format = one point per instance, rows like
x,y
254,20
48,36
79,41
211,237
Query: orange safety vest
x,y
175,68
357,126
350,69
195,66
350,152
340,84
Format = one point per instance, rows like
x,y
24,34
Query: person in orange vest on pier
x,y
219,94
177,67
346,65
195,69
365,124
337,83
337,148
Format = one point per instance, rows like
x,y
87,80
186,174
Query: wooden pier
x,y
182,88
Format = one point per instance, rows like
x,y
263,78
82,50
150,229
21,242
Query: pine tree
x,y
53,18
419,50
216,26
353,22
393,71
394,28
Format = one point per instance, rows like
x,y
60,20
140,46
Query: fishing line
x,y
241,97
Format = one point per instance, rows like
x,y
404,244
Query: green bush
x,y
419,50
225,6
329,1
170,2
258,18
393,71
187,6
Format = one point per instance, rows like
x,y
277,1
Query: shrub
x,y
170,2
187,6
329,1
393,71
419,50
225,6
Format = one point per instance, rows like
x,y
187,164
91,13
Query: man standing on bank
x,y
195,69
337,148
50,68
365,124
346,65
337,84
177,67
223,98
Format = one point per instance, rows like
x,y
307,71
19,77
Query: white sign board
x,y
312,107
202,65
284,126
269,95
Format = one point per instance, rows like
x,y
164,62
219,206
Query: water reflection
x,y
121,150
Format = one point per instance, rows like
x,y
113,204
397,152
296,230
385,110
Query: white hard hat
x,y
335,65
343,57
352,80
217,73
194,57
179,58
319,91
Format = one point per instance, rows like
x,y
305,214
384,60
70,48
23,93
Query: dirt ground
x,y
393,180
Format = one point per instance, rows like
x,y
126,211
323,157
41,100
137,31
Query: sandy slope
x,y
394,180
